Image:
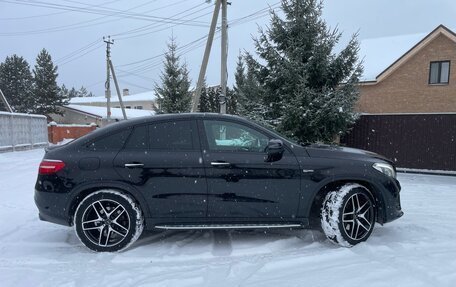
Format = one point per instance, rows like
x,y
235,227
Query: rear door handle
x,y
220,163
130,165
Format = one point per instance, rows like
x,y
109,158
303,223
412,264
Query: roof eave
x,y
441,29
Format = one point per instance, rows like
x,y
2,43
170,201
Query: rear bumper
x,y
51,207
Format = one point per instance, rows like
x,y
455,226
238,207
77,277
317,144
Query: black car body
x,y
208,171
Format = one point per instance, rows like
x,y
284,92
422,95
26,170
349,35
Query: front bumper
x,y
391,205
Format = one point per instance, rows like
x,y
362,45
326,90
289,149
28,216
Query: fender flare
x,y
74,194
376,193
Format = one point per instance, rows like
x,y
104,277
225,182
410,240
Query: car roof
x,y
118,126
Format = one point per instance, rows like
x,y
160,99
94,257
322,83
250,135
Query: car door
x,y
163,161
241,185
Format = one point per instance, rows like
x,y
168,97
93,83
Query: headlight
x,y
385,168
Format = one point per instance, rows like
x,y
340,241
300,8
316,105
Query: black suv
x,y
210,171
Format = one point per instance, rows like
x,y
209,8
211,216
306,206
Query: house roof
x,y
116,113
146,96
382,56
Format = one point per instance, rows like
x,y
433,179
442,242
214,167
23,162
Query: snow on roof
x,y
146,96
379,53
116,113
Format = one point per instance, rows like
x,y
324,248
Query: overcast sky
x,y
73,33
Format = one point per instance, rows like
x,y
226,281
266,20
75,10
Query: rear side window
x,y
111,142
176,135
139,138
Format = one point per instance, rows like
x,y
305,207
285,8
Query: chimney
x,y
126,92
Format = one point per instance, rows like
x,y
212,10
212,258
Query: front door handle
x,y
220,163
131,165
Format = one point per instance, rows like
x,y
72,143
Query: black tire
x,y
108,221
348,215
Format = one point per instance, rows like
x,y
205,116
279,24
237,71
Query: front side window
x,y
231,136
439,72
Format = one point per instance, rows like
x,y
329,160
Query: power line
x,y
51,14
88,46
155,61
80,56
156,25
96,21
118,13
76,52
200,41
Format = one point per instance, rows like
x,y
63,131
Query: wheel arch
x,y
324,188
78,194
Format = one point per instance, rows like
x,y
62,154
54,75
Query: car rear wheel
x,y
348,215
108,221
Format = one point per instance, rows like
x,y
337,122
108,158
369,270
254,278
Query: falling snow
x,y
416,250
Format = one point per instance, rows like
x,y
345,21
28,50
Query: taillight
x,y
50,166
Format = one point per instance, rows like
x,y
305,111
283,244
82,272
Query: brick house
x,y
409,74
408,100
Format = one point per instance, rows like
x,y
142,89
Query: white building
x,y
85,115
141,101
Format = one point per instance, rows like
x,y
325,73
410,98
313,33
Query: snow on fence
x,y
22,131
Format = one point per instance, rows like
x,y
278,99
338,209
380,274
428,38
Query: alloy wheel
x,y
105,222
358,216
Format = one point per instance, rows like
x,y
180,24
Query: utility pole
x,y
224,72
108,76
110,68
5,102
207,52
118,90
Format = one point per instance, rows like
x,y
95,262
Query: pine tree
x,y
248,90
16,83
64,92
84,93
208,102
173,95
73,93
308,90
232,103
46,91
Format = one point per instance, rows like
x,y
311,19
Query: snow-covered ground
x,y
416,250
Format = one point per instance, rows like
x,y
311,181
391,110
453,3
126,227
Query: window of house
x,y
128,107
138,107
439,72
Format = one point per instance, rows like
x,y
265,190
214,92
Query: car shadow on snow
x,y
223,242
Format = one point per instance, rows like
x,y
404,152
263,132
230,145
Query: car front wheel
x,y
108,221
348,215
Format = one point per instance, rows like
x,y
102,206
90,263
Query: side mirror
x,y
274,150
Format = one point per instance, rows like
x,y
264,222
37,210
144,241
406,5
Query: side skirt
x,y
226,226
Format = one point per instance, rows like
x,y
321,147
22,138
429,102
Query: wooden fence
x,y
417,141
